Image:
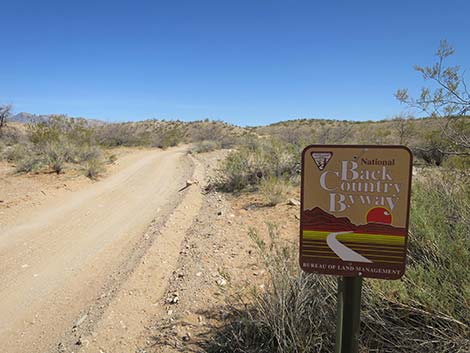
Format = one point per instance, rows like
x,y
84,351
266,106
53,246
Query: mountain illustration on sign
x,y
379,222
377,241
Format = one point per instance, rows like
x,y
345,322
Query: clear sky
x,y
248,62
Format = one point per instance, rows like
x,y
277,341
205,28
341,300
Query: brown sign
x,y
355,210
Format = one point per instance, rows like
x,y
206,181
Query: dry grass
x,y
427,311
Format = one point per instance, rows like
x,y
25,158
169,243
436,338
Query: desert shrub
x,y
10,135
3,148
54,143
169,138
426,311
60,128
113,135
458,162
28,164
256,159
432,148
205,146
55,155
87,153
439,254
274,190
17,152
93,168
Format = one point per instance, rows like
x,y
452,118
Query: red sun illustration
x,y
379,215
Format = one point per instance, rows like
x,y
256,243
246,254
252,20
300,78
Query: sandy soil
x,y
58,258
128,264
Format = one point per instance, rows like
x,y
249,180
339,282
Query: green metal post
x,y
348,314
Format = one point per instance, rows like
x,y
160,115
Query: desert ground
x,y
132,262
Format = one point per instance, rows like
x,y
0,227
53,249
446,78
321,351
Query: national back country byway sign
x,y
355,210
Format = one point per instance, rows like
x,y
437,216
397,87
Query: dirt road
x,y
62,258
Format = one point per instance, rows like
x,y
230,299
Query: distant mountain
x,y
317,219
28,118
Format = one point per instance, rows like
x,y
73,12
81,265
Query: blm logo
x,y
321,159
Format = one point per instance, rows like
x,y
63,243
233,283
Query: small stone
x,y
222,282
293,202
80,321
187,337
173,299
219,213
199,274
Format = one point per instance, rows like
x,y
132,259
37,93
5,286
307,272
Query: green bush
x,y
54,143
257,159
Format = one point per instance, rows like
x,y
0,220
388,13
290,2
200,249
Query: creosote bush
x,y
256,159
54,144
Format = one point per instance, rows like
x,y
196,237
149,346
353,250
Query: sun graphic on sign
x,y
379,215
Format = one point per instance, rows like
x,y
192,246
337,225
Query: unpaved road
x,y
58,259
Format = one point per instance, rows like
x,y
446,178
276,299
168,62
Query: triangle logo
x,y
321,159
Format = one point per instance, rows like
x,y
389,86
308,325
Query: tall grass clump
x,y
93,168
274,190
294,313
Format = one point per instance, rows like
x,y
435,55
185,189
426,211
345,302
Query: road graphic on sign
x,y
343,252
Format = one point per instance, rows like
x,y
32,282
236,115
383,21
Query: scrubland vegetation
x,y
61,143
427,311
52,146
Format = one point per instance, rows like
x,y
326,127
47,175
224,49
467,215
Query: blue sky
x,y
247,62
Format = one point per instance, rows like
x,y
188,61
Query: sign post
x,y
348,314
354,221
